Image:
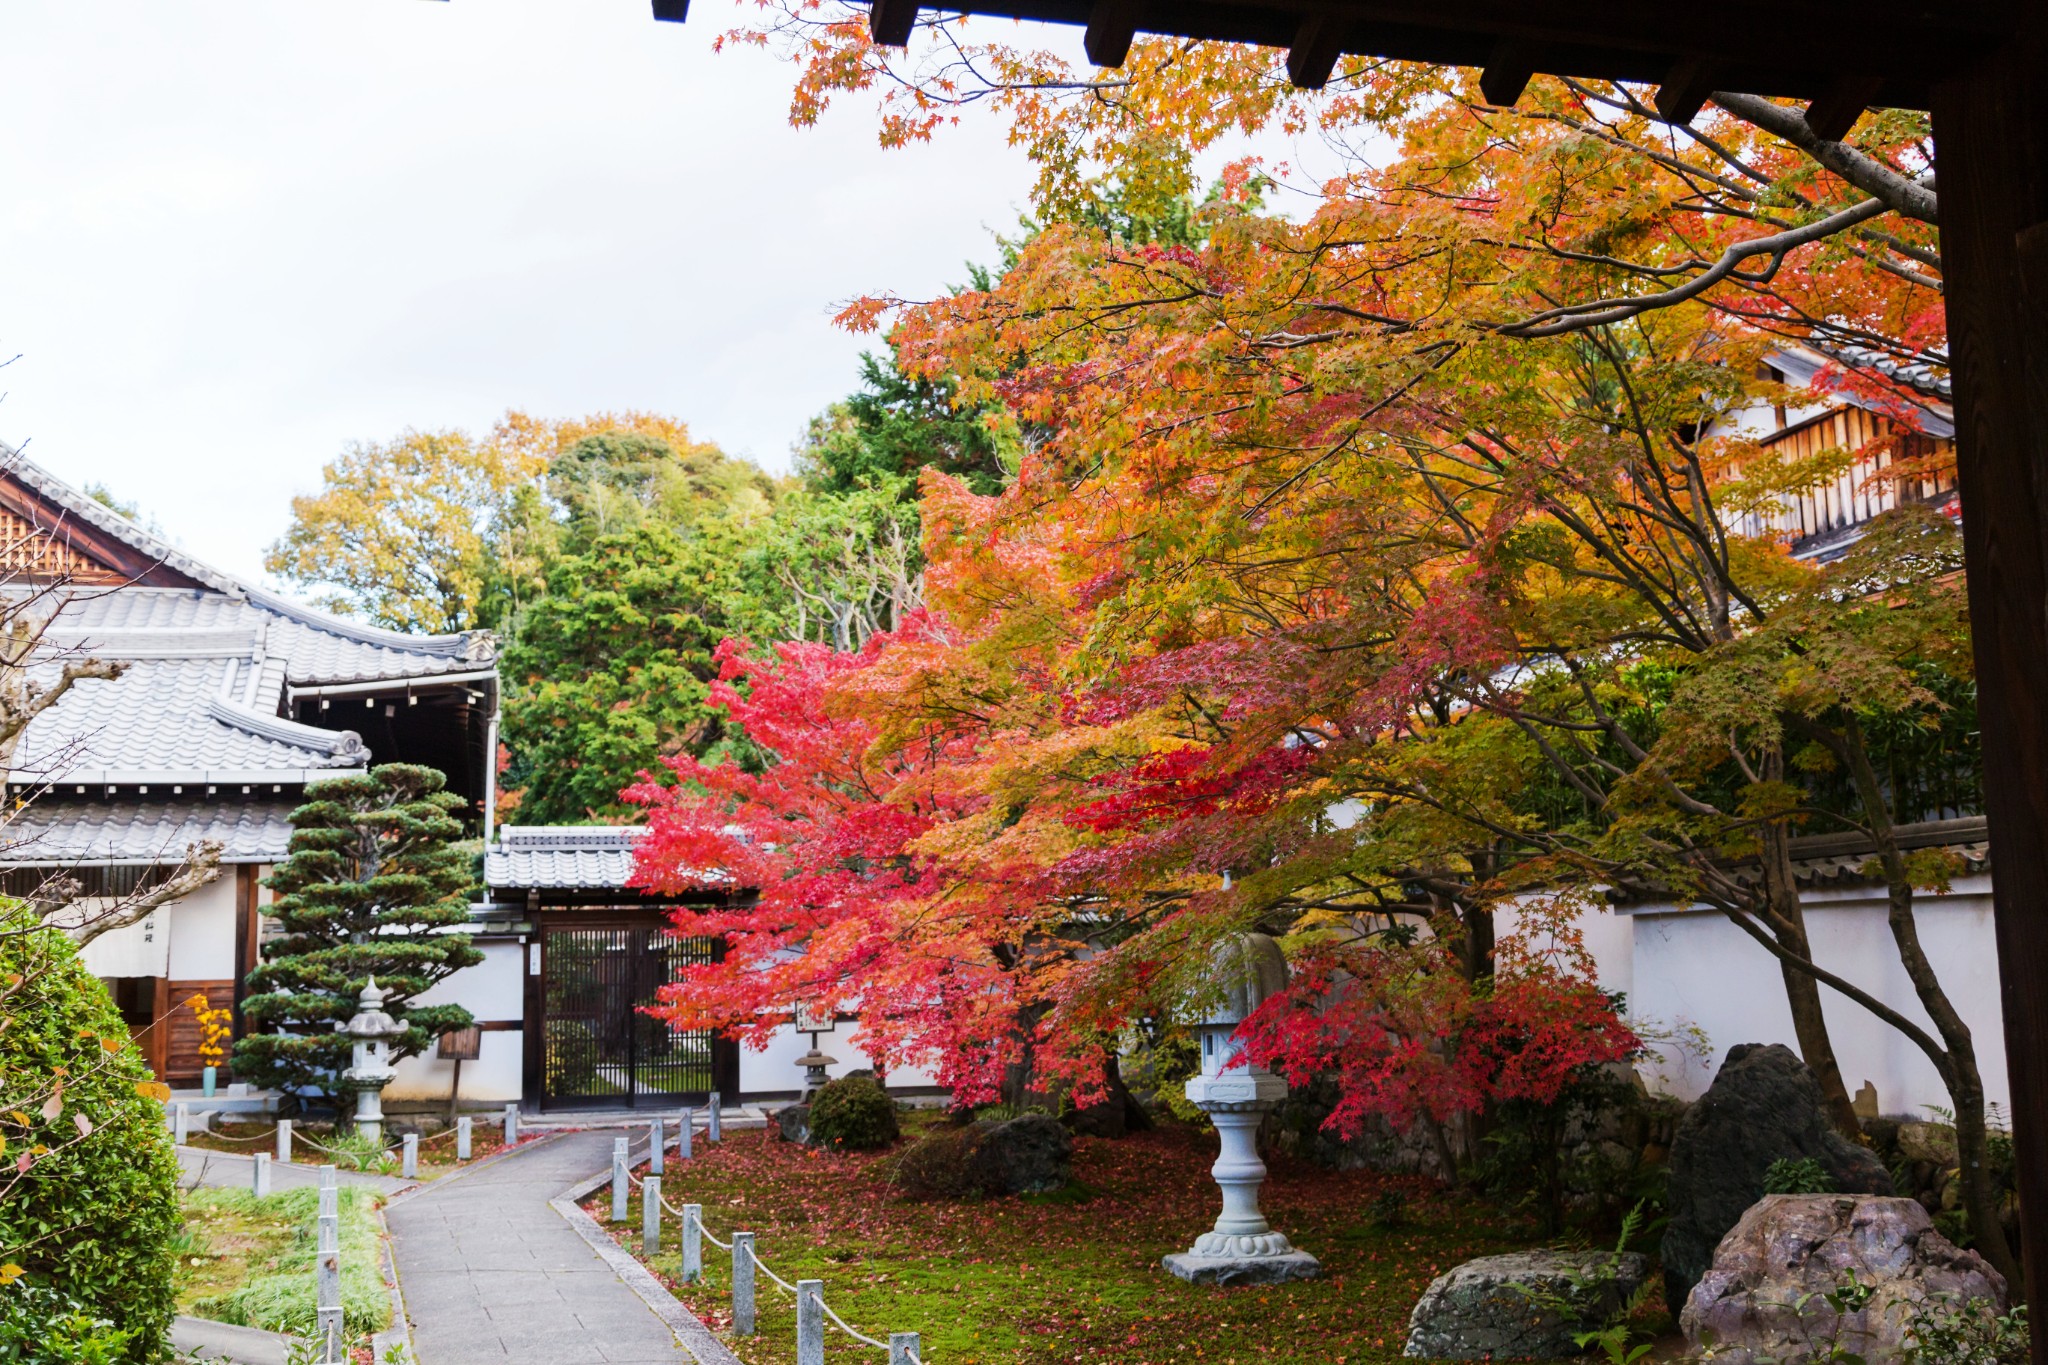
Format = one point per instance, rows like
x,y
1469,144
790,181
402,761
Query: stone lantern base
x,y
1197,1268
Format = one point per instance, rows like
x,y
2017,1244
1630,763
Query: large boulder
x,y
793,1123
1525,1306
1764,1298
1764,1106
1028,1154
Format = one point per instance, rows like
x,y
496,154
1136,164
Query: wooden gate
x,y
599,1049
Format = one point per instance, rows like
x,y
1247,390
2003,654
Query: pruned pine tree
x,y
372,881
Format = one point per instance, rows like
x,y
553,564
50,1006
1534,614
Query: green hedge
x,y
93,1216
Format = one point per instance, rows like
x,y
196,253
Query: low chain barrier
x,y
903,1348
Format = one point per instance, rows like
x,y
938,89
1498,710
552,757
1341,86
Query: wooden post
x,y
1991,140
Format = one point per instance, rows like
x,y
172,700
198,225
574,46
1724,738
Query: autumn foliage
x,y
1369,568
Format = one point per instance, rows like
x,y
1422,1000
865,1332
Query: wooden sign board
x,y
461,1045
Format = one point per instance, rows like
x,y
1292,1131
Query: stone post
x,y
621,1188
409,1160
657,1141
284,1139
462,1138
905,1349
511,1124
810,1322
181,1123
327,1278
712,1130
743,1284
684,1136
650,1216
259,1175
693,1243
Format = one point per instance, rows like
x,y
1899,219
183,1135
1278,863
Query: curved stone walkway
x,y
493,1274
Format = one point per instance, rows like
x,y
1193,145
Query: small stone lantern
x,y
1242,1248
372,1029
814,1062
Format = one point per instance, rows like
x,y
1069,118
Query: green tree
x,y
400,532
372,877
88,1199
607,671
895,424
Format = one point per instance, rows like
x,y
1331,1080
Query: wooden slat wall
x,y
181,1045
1855,495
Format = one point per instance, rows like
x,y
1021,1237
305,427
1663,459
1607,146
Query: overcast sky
x,y
240,233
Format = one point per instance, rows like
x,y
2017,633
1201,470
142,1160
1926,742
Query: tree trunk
x,y
1958,1068
1802,992
1136,1120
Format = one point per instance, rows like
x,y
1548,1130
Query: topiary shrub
x,y
853,1114
92,1215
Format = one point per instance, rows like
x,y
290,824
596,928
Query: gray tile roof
x,y
560,857
211,672
54,830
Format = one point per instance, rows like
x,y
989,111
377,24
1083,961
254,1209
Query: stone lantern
x,y
1242,1248
372,1029
815,1061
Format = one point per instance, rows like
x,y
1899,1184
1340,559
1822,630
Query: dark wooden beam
x,y
1991,143
1904,46
1111,26
672,11
1312,56
890,21
1836,111
1507,73
1686,89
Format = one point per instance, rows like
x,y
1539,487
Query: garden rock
x,y
1025,1155
793,1122
1930,1142
1764,1297
1764,1106
1498,1307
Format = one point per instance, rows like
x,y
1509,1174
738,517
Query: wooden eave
x,y
1882,52
123,562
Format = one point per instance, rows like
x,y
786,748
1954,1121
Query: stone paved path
x,y
493,1276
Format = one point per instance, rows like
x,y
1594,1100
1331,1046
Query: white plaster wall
x,y
493,990
1696,967
202,928
775,1070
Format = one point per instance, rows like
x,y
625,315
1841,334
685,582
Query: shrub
x,y
92,1217
1804,1176
39,1326
1946,1330
943,1165
853,1114
572,1055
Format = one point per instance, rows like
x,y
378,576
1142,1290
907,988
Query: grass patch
x,y
1072,1276
249,1261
